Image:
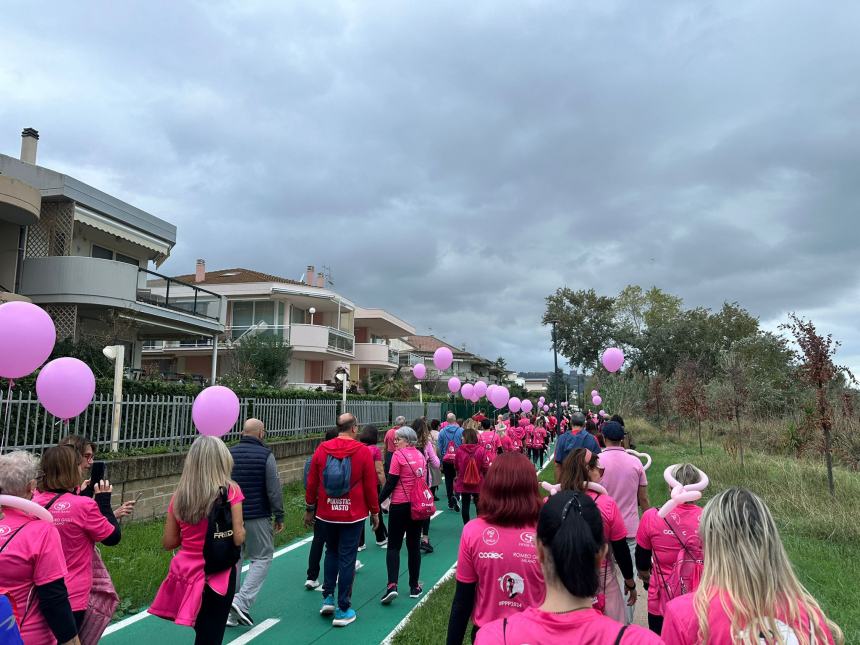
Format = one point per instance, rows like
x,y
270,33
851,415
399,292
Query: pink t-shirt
x,y
539,436
409,464
613,523
660,539
502,560
681,625
34,557
585,627
375,452
490,441
389,440
622,478
81,525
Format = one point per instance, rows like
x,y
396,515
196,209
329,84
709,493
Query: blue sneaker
x,y
328,606
343,618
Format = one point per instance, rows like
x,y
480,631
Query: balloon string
x,y
8,414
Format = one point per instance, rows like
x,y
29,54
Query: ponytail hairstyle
x,y
746,563
570,530
574,470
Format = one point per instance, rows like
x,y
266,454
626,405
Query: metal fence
x,y
151,420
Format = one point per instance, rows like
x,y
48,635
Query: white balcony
x,y
376,355
318,342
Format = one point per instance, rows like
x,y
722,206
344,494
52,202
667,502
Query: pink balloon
x,y
65,387
419,371
480,388
541,400
474,398
546,408
443,358
215,411
596,400
27,337
613,359
467,390
453,385
594,393
526,406
564,404
602,413
500,397
490,389
514,404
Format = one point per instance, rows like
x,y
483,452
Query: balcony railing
x,y
198,303
393,356
232,334
340,340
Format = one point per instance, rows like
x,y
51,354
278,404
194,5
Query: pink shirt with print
x,y
409,464
34,557
681,624
660,538
502,560
81,525
623,476
584,627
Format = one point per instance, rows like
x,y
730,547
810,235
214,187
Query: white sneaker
x,y
382,543
358,565
310,585
362,547
231,619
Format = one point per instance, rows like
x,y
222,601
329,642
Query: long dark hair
x,y
574,469
570,527
369,435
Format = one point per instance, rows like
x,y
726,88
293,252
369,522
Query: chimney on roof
x,y
309,275
29,142
320,279
200,272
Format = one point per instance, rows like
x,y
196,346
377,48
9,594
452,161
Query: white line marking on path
x,y
131,620
445,577
247,637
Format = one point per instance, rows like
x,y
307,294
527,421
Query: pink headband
x,y
682,494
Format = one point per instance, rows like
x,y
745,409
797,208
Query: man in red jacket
x,y
342,516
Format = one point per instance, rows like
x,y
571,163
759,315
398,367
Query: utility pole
x,y
555,361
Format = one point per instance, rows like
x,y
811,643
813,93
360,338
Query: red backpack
x,y
450,451
686,570
471,475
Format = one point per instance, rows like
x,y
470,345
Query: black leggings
x,y
212,617
400,523
655,623
380,533
449,472
79,618
316,552
464,502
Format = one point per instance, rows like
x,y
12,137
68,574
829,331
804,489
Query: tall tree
x,y
585,324
818,370
263,357
735,376
690,395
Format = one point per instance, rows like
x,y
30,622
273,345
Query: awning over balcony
x,y
91,218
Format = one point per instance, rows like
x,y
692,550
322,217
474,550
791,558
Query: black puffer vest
x,y
249,471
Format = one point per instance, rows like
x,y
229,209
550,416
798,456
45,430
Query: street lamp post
x,y
116,353
312,311
343,377
555,361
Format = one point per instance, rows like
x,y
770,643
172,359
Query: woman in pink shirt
x,y
497,566
407,466
749,592
581,468
425,445
81,521
658,543
570,546
468,453
189,596
32,564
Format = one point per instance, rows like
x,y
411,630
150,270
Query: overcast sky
x,y
456,162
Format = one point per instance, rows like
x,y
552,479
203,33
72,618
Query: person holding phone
x,y
86,450
81,521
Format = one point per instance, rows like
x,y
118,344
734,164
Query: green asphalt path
x,y
296,610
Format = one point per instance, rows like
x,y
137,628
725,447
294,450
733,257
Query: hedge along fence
x,y
150,421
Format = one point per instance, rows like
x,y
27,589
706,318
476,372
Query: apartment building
x,y
85,256
325,330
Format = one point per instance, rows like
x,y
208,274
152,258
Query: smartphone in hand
x,y
98,472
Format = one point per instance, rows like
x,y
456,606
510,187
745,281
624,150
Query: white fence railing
x,y
162,420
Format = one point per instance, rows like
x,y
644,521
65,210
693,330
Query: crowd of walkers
x,y
531,568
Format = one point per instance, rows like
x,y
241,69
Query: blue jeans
x,y
341,549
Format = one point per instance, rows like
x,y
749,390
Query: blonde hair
x,y
746,564
686,474
208,467
470,423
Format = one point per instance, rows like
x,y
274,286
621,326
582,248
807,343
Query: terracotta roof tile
x,y
237,276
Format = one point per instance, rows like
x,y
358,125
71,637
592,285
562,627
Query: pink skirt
x,y
181,594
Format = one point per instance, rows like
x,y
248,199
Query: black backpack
x,y
219,551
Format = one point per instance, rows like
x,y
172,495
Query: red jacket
x,y
461,459
362,497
